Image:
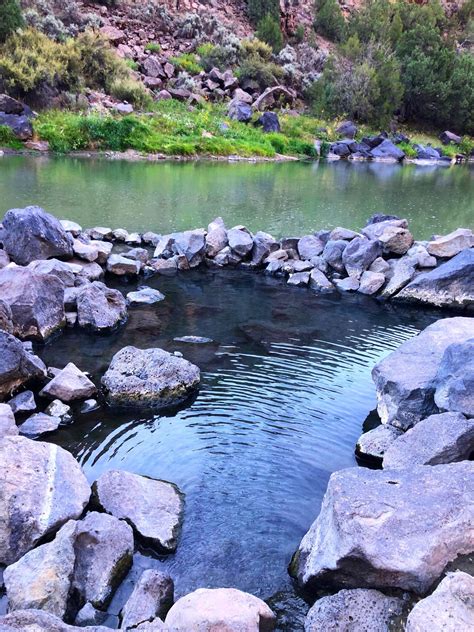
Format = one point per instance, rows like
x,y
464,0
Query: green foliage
x,y
213,56
329,20
187,62
153,47
131,63
131,91
8,138
255,49
256,65
299,34
258,9
100,66
268,31
408,149
11,18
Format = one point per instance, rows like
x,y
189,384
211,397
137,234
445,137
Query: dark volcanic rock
x,y
17,366
154,508
390,528
41,487
269,122
100,308
449,285
31,233
359,254
240,111
387,150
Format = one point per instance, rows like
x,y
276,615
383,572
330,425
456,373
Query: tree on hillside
x,y
11,18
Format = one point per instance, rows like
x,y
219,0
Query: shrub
x,y
255,48
187,62
265,74
100,66
268,31
11,18
212,56
58,19
299,34
131,63
258,9
8,138
131,91
329,20
153,47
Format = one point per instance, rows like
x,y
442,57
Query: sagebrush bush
x,y
265,74
215,56
187,62
132,91
11,18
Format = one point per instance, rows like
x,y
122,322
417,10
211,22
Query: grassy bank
x,y
170,128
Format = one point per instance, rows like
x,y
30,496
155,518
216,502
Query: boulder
x,y
240,240
137,254
152,597
8,426
263,245
371,282
394,235
23,403
36,302
167,267
122,266
226,609
348,129
19,124
269,122
449,285
88,615
40,621
342,233
353,610
405,378
9,105
100,308
17,366
38,425
41,487
319,282
145,296
30,233
423,259
444,438
452,244
449,608
69,384
342,149
349,284
85,249
191,244
310,246
332,253
388,528
216,238
372,445
100,232
154,508
299,279
359,254
387,150
103,548
6,317
380,265
425,152
454,381
41,579
58,409
447,137
400,274
71,227
64,271
240,111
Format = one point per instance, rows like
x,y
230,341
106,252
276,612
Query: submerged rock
x,y
145,296
100,308
353,610
154,508
389,528
194,340
36,301
17,366
227,609
69,384
450,608
443,438
405,378
449,285
38,425
149,377
42,486
30,233
152,597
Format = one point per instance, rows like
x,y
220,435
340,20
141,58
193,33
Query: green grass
x,y
8,139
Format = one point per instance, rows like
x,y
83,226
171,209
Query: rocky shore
x,y
384,537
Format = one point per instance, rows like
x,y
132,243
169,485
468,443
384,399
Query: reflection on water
x,y
285,389
285,199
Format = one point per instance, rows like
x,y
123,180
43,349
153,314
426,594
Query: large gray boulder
x,y
6,317
40,621
191,244
229,609
310,246
149,377
36,301
449,608
452,244
373,444
216,238
240,111
454,381
30,233
386,150
405,378
353,611
400,273
69,384
17,366
393,233
240,240
152,597
154,508
332,253
8,426
100,308
389,528
449,285
359,254
443,438
62,269
41,487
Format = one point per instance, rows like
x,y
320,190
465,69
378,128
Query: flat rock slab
x,y
194,340
145,296
389,528
405,378
39,424
448,285
150,378
40,621
444,438
450,608
353,610
373,444
152,597
41,487
70,384
208,610
154,508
